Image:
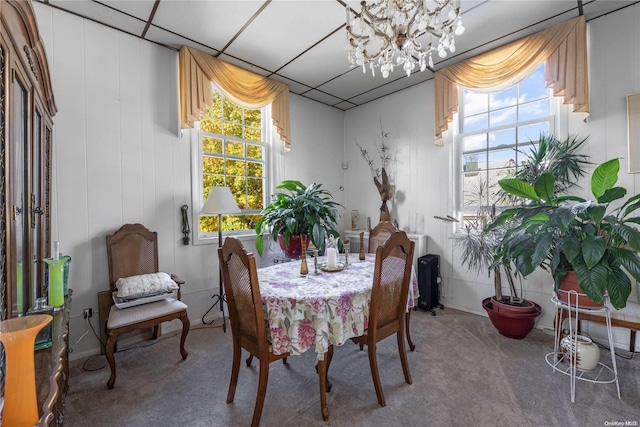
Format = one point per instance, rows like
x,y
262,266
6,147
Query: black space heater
x,y
429,282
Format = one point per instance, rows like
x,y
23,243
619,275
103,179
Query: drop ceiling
x,y
302,43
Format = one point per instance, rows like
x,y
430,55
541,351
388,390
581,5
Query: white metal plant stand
x,y
564,363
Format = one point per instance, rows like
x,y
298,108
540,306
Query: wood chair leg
x,y
375,375
403,357
322,373
407,319
186,324
235,370
262,392
109,348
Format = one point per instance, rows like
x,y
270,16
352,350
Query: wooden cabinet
x,y
26,136
52,370
26,114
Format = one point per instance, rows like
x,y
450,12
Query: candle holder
x,y
361,246
18,336
315,261
304,269
56,280
346,252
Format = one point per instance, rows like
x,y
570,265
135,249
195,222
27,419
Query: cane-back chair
x,y
133,251
391,281
248,325
379,234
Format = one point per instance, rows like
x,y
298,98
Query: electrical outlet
x,y
87,312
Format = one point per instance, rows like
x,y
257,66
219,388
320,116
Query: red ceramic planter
x,y
294,250
511,325
570,284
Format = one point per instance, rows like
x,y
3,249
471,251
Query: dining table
x,y
326,307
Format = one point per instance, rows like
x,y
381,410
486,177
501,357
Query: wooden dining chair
x,y
248,325
132,251
391,281
378,235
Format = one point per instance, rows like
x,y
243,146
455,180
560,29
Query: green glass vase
x,y
56,280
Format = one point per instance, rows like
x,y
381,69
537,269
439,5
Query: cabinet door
x,y
19,257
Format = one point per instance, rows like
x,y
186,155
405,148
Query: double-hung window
x,y
495,128
232,151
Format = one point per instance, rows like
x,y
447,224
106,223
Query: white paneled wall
x,y
118,158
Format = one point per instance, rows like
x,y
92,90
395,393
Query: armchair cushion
x,y
145,285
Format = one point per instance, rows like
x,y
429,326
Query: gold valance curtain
x,y
563,47
242,87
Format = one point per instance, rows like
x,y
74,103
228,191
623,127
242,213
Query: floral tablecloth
x,y
313,311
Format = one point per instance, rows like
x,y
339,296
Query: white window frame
x,y
197,185
552,119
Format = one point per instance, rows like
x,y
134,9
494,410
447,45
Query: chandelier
x,y
386,32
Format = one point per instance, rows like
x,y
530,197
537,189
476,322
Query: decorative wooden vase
x,y
361,256
18,337
304,269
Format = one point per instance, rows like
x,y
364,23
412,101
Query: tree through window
x,y
233,154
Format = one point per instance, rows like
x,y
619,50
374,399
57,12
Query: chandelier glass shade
x,y
385,34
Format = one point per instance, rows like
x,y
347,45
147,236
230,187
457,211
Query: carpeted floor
x,y
464,374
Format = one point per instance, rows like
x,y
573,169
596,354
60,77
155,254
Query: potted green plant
x,y
511,314
299,210
569,235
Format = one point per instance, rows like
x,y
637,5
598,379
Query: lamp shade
x,y
220,201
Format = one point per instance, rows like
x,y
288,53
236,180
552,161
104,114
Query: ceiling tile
x,y
345,105
393,86
294,87
175,41
212,23
99,13
322,97
302,24
139,8
324,62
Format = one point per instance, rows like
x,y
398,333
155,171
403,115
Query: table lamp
x,y
219,202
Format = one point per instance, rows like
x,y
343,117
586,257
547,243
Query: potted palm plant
x,y
299,210
511,314
569,236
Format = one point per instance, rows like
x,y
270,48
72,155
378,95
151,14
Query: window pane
x,y
475,123
252,118
211,180
505,116
252,134
474,142
255,190
470,163
236,167
232,113
502,138
254,151
534,86
212,165
474,102
532,132
235,149
211,125
212,145
533,110
232,129
499,159
254,169
474,190
502,99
